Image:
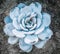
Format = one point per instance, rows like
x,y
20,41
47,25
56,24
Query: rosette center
x,y
30,21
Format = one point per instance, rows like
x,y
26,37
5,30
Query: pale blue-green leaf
x,y
38,5
23,22
20,17
21,5
38,22
40,44
33,27
31,39
46,34
14,13
34,8
18,34
40,29
12,40
26,10
8,29
15,23
46,19
25,47
7,20
29,32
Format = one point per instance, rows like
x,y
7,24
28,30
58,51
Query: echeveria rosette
x,y
28,26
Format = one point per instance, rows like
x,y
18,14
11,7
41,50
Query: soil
x,y
50,6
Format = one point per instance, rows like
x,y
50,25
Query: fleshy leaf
x,y
7,20
34,8
40,44
40,29
28,32
23,28
46,34
39,20
46,19
21,5
8,29
27,8
14,13
31,39
23,23
25,47
18,34
33,27
12,40
38,5
15,23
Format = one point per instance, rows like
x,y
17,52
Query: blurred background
x,y
50,6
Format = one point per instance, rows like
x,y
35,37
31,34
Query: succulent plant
x,y
29,26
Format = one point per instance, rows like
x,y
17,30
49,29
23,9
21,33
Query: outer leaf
x,y
12,40
8,29
46,34
7,20
40,44
46,19
21,5
31,39
25,47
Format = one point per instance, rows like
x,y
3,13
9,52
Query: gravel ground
x,y
52,46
